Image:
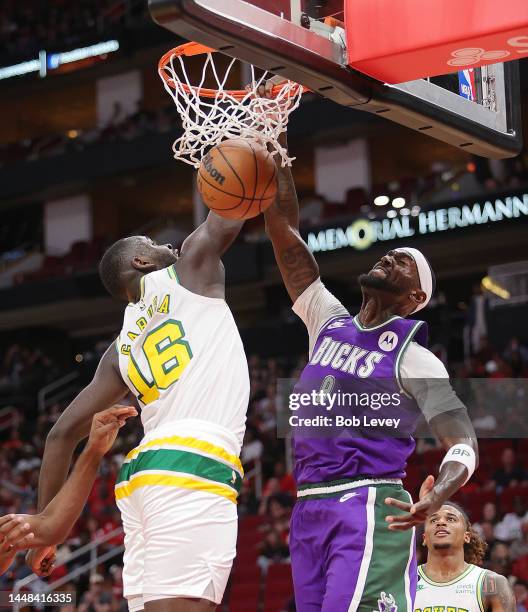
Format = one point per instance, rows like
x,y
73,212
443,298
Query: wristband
x,y
462,453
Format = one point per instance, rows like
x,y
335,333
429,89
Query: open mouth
x,y
441,532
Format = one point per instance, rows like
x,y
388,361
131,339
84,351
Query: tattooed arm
x,y
497,593
296,263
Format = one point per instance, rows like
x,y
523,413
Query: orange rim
x,y
192,48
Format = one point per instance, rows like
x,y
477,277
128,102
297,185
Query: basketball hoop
x,y
210,115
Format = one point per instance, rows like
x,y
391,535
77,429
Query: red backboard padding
x,y
402,40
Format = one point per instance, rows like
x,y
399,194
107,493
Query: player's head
x,y
449,529
128,259
402,276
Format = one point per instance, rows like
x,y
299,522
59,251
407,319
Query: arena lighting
x,y
67,57
20,69
493,287
52,61
415,211
405,212
391,214
381,200
398,202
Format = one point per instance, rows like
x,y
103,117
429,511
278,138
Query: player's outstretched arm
x,y
105,390
54,523
497,593
455,432
200,263
296,263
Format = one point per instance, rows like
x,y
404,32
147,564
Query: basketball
x,y
238,179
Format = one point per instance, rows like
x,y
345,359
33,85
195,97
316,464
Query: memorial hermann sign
x,y
362,233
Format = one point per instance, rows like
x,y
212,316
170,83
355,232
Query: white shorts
x,y
178,543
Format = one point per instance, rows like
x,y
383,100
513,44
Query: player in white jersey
x,y
451,579
180,353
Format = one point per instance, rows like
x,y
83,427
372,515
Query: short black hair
x,y
113,264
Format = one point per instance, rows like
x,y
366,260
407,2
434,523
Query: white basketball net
x,y
207,121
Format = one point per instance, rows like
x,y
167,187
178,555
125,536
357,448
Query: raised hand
x,y
105,426
414,513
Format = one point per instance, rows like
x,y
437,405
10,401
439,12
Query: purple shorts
x,y
344,558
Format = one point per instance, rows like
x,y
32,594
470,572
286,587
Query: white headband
x,y
425,274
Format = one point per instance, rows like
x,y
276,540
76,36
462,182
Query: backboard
x,y
478,111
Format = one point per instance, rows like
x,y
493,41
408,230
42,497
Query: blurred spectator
x,y
520,590
519,547
273,550
511,473
516,355
509,528
252,448
499,559
90,600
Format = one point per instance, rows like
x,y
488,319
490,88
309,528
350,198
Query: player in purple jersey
x,y
352,530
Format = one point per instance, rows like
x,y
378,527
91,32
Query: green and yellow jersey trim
x,y
183,481
480,598
422,573
171,271
178,468
201,446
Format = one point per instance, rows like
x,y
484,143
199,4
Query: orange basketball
x,y
238,179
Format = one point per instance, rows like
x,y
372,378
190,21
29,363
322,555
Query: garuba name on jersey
x,y
462,594
181,355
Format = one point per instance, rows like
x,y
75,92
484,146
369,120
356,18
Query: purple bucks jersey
x,y
359,367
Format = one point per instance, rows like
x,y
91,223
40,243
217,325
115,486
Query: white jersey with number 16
x,y
181,355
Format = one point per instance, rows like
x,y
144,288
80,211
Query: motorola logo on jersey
x,y
388,341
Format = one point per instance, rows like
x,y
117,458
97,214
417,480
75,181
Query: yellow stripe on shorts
x,y
188,442
166,480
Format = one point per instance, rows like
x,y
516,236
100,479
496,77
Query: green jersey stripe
x,y
182,462
395,546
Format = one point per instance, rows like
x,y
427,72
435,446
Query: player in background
x,y
343,556
52,526
451,579
180,353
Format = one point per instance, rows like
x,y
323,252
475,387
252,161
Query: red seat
x,y
432,459
474,502
279,587
251,522
246,570
490,452
244,596
520,568
413,480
